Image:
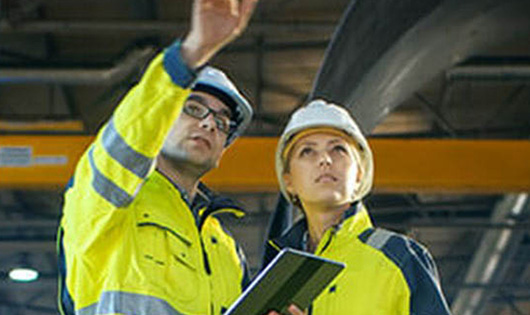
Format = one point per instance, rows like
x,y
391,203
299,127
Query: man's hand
x,y
214,23
293,309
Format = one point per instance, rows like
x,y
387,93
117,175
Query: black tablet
x,y
293,277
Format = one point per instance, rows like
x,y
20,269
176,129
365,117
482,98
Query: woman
x,y
325,167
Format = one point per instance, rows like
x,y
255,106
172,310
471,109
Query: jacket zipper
x,y
201,224
205,258
328,242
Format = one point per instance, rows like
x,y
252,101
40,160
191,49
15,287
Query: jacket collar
x,y
205,202
355,220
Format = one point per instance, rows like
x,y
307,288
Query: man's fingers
x,y
294,310
219,5
246,8
234,8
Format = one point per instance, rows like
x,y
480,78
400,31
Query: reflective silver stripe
x,y
379,238
116,146
115,302
106,188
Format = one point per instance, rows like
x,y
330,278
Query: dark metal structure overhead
x,y
411,69
384,51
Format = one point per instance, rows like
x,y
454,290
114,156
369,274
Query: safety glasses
x,y
200,111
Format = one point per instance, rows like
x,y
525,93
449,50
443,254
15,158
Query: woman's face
x,y
322,170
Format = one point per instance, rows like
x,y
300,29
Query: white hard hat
x,y
321,114
214,81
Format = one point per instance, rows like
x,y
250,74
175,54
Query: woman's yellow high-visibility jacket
x,y
386,273
129,241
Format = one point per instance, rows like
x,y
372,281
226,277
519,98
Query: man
x,y
138,233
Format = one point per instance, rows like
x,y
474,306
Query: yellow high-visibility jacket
x,y
386,273
129,241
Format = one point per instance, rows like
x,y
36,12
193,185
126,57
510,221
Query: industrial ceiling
x,y
445,91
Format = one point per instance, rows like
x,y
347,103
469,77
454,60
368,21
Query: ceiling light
x,y
23,274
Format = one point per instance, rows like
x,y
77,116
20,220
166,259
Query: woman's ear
x,y
358,180
359,174
288,181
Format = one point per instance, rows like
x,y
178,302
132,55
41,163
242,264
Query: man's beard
x,y
182,160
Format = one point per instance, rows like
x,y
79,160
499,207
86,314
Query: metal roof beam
x,y
402,165
493,255
78,76
14,246
153,27
503,73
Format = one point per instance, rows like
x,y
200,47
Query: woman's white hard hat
x,y
321,114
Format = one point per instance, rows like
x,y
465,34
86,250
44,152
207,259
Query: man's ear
x,y
220,157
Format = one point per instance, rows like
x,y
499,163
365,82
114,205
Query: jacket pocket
x,y
167,259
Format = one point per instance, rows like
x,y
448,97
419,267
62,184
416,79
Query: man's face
x,y
196,141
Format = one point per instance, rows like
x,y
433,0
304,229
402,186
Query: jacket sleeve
x,y
112,170
417,267
426,292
